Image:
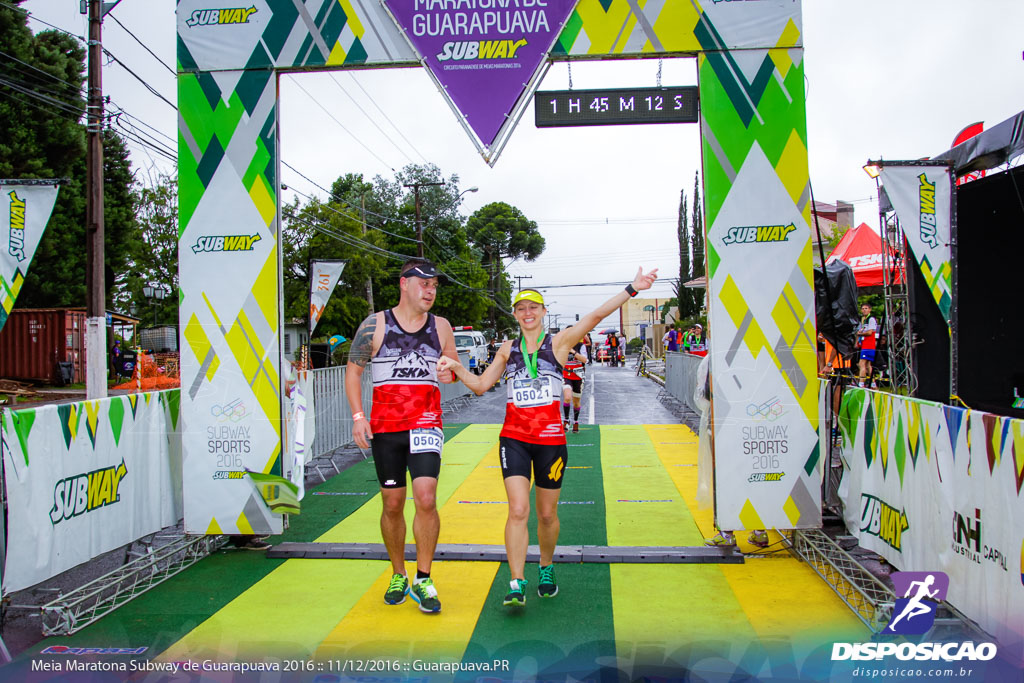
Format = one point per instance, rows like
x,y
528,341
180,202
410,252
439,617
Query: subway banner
x,y
24,212
482,54
931,487
921,196
87,478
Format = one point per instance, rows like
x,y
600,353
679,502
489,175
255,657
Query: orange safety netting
x,y
154,376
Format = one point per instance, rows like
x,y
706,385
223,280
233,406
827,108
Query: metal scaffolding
x,y
899,334
79,608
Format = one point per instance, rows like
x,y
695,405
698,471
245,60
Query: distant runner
x,y
532,440
572,391
402,346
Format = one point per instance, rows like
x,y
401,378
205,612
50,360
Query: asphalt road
x,y
611,396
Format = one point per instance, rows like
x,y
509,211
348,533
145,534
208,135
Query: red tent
x,y
861,247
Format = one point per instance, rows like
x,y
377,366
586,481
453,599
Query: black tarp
x,y
839,324
992,148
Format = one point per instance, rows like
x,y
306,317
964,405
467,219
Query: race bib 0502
x,y
426,440
531,393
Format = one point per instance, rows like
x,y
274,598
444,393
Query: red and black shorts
x,y
547,461
391,458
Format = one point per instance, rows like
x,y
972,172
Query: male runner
x,y
866,334
402,346
532,438
573,386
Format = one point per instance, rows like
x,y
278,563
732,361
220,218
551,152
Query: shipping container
x,y
34,340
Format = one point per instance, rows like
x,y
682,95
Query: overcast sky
x,y
884,79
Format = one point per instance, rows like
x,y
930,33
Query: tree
x,y
372,226
155,260
501,231
40,113
684,296
697,246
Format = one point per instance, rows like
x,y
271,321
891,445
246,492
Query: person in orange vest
x,y
613,349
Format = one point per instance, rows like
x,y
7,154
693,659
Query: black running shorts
x,y
391,458
576,385
548,461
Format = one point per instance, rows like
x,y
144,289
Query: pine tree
x,y
697,244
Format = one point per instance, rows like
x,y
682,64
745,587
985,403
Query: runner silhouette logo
x,y
914,613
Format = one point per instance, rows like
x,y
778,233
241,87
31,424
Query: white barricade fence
x,y
931,487
86,478
332,417
681,376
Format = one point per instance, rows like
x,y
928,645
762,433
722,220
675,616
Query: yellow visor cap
x,y
529,295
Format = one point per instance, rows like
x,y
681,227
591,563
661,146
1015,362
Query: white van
x,y
469,340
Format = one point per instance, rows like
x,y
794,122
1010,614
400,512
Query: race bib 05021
x,y
531,393
426,440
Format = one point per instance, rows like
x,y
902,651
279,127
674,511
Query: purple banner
x,y
483,52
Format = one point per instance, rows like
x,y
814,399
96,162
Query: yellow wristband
x,y
359,416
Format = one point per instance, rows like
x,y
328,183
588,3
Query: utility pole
x,y
520,278
96,303
419,224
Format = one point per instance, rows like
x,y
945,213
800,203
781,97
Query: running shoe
x,y
425,594
758,537
722,539
516,593
546,586
397,589
567,425
575,427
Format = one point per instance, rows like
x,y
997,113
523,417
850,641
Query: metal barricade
x,y
330,405
681,377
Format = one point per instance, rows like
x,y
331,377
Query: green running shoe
x,y
425,594
546,586
397,589
516,593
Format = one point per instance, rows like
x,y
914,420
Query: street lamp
x,y
155,295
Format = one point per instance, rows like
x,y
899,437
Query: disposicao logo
x,y
758,233
914,613
225,243
17,242
86,492
214,17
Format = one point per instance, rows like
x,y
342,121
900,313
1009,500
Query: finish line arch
x,y
756,208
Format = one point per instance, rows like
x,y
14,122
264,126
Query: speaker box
x,y
319,355
988,321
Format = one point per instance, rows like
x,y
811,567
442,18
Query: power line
x,y
386,117
34,18
140,79
340,124
388,137
144,46
53,101
341,213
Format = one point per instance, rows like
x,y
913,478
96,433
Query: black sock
x,y
575,414
565,410
422,575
